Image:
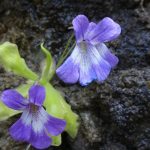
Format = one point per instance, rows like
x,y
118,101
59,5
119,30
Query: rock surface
x,y
114,115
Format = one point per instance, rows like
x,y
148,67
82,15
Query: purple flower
x,y
90,59
35,125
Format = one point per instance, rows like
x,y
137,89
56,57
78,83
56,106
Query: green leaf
x,y
49,68
6,112
57,106
11,60
24,88
56,140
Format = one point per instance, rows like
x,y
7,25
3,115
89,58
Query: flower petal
x,y
31,128
87,65
40,140
43,121
105,30
14,100
37,95
68,71
92,65
39,120
55,126
21,130
100,66
107,55
80,25
39,137
91,26
86,71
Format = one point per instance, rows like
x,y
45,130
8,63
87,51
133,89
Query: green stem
x,y
65,52
69,51
28,147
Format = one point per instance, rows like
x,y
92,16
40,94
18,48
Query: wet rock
x,y
114,115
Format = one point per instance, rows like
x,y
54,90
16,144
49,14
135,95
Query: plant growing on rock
x,y
90,60
54,102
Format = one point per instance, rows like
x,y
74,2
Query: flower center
x,y
83,46
33,108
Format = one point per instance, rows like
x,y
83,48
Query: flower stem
x,y
28,147
66,51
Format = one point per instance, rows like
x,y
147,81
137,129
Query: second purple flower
x,y
35,125
90,59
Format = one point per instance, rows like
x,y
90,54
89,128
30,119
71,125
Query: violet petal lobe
x,y
86,71
80,25
14,100
91,26
39,136
37,95
20,131
69,70
40,140
106,30
100,66
55,126
39,120
107,55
